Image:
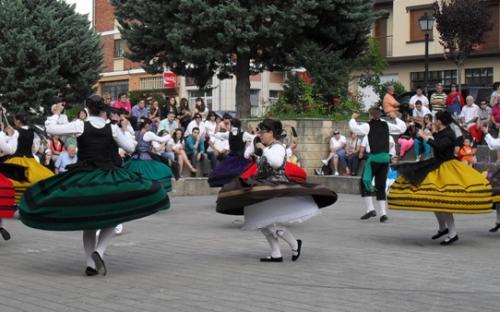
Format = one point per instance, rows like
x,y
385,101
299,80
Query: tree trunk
x,y
243,107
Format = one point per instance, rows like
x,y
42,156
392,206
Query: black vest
x,y
378,137
236,144
25,143
97,147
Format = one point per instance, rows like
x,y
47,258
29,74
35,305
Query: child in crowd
x,y
467,152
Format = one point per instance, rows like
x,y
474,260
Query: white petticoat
x,y
279,210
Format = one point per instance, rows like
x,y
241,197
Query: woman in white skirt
x,y
270,201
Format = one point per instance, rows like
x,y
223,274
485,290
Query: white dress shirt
x,y
8,144
469,113
124,138
364,128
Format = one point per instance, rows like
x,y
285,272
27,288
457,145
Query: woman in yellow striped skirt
x,y
441,184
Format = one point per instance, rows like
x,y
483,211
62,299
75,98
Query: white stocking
x,y
369,203
441,221
273,242
287,236
450,222
382,205
105,237
89,239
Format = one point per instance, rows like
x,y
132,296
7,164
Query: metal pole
x,y
426,63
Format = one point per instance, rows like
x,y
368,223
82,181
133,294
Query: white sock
x,y
369,203
441,221
382,204
105,237
450,222
287,236
89,239
273,242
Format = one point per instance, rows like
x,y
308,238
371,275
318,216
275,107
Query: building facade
x,y
402,43
121,75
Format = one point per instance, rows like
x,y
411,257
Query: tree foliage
x,y
202,38
461,25
372,64
47,51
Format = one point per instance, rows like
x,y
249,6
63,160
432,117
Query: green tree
x,y
461,25
202,38
47,51
372,64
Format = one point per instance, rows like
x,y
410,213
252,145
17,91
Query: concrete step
x,y
484,154
486,166
192,187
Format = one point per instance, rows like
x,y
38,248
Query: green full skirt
x,y
91,199
152,170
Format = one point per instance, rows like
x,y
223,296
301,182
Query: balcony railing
x,y
385,45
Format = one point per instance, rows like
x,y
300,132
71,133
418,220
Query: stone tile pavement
x,y
192,259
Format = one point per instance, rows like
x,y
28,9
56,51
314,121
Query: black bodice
x,y
444,144
25,142
97,147
378,137
236,144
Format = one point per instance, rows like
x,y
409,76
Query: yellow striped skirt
x,y
454,187
34,172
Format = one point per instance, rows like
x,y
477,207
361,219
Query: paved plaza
x,y
193,259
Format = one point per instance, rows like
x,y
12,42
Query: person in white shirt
x,y
337,152
420,110
197,122
470,111
419,96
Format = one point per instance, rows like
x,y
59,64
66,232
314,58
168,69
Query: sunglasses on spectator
x,y
335,133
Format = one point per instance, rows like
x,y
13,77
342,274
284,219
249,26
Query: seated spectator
x,y
82,115
291,154
184,113
154,110
419,112
168,124
47,161
469,118
438,99
180,152
389,103
419,96
467,152
218,149
337,151
406,140
140,110
484,111
454,101
197,122
66,158
393,173
123,103
352,153
164,149
195,150
420,144
56,146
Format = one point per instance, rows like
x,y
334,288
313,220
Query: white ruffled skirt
x,y
279,210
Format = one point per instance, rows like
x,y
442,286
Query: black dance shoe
x,y
449,241
91,271
4,233
271,259
495,229
99,263
440,233
368,215
384,219
296,254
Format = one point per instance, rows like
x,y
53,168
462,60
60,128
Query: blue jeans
x,y
341,156
418,147
168,155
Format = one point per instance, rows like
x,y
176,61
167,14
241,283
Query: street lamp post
x,y
426,25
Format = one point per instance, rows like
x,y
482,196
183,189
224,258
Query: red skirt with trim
x,y
7,198
292,171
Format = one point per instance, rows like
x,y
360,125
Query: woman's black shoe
x,y
4,233
495,229
439,234
368,215
384,218
271,259
449,241
99,263
296,254
91,271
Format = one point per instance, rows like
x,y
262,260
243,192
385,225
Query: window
x,y
446,77
205,95
274,95
479,76
152,83
119,48
115,88
254,97
416,34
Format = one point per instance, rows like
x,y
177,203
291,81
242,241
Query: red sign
x,y
169,79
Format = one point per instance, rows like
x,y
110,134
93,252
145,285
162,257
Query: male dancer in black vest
x,y
377,143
